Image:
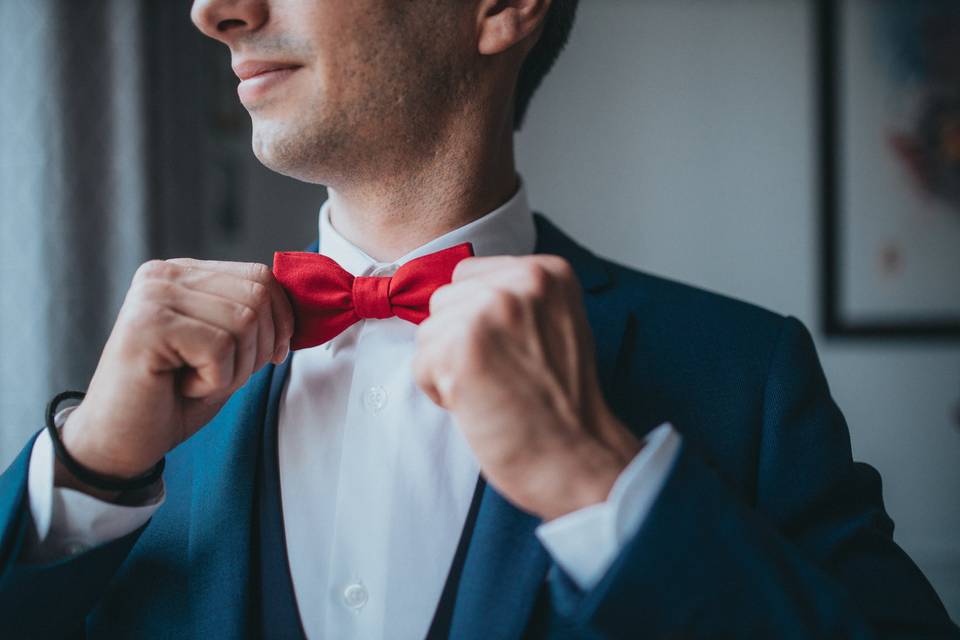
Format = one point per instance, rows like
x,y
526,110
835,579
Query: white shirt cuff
x,y
67,522
586,542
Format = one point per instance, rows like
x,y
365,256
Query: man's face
x,y
330,83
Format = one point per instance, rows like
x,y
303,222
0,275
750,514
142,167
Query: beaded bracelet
x,y
83,474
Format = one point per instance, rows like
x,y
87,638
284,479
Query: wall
x,y
677,136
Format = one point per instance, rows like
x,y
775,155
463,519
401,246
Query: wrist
x,y
62,478
95,453
592,467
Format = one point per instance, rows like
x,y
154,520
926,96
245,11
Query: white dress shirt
x,y
376,480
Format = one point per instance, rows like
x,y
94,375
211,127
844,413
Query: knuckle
x,y
154,269
507,307
246,318
259,295
258,272
220,378
181,264
159,314
154,289
538,279
562,268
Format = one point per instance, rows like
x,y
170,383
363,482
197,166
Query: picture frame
x,y
889,193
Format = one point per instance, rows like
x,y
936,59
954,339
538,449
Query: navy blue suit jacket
x,y
765,526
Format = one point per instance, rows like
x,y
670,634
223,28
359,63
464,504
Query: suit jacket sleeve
x,y
48,600
811,555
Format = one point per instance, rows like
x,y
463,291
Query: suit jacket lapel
x,y
221,511
506,565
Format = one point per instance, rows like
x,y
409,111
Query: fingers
x,y
194,276
427,372
454,296
208,351
240,321
476,266
537,276
250,294
483,266
528,302
498,296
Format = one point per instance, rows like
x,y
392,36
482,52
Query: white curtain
x,y
105,110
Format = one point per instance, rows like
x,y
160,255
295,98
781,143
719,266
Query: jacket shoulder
x,y
650,294
697,311
699,360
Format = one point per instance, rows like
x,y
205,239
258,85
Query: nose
x,y
229,20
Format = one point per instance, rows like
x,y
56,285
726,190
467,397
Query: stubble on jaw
x,y
394,87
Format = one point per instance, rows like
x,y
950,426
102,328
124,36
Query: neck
x,y
424,193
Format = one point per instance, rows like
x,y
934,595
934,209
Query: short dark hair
x,y
556,32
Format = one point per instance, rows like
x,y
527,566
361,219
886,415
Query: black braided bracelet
x,y
83,474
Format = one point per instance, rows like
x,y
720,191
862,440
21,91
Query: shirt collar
x,y
507,230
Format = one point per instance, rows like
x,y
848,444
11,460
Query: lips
x,y
258,77
253,68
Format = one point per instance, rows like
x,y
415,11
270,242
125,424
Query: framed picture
x,y
890,167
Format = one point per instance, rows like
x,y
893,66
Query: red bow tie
x,y
326,299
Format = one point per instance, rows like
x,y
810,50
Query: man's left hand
x,y
508,351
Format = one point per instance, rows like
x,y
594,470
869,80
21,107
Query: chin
x,y
290,153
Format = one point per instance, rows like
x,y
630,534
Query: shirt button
x,y
75,548
375,399
355,596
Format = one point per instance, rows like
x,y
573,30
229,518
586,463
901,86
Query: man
x,y
563,448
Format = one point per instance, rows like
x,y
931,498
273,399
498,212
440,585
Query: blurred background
x,y
722,143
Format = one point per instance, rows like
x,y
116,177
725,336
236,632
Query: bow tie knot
x,y
327,299
371,297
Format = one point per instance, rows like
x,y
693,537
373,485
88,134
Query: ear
x,y
503,24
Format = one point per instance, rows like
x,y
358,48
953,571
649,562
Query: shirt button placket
x,y
354,594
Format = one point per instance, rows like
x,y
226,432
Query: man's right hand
x,y
188,335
